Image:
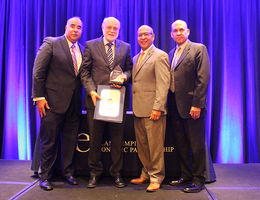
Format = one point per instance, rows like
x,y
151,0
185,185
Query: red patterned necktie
x,y
74,58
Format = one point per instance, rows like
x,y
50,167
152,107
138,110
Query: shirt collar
x,y
106,42
70,43
147,50
182,46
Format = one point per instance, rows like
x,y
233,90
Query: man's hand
x,y
41,104
195,112
94,97
121,78
155,115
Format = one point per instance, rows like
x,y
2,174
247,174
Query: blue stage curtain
x,y
230,30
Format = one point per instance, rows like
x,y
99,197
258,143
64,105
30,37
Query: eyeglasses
x,y
144,34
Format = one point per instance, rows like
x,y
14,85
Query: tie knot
x,y
73,46
109,44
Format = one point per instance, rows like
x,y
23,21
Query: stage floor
x,y
234,182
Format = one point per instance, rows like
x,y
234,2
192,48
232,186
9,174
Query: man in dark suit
x,y
151,81
190,71
56,91
97,65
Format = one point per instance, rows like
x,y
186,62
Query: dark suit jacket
x,y
191,78
95,68
53,74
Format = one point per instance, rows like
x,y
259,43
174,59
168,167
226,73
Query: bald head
x,y
183,23
146,27
180,32
145,36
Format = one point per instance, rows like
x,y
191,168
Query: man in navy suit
x,y
56,91
97,65
190,71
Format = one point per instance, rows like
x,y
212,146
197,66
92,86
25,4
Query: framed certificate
x,y
111,106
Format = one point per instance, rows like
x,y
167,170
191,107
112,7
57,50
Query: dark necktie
x,y
110,54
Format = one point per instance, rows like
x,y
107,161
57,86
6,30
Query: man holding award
x,y
150,84
106,61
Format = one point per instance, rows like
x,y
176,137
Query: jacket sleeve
x,y
40,68
202,77
86,68
162,81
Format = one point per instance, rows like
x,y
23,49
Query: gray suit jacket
x,y
53,74
150,83
95,68
191,78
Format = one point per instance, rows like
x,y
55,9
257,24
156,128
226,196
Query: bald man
x,y
96,68
56,91
150,84
190,71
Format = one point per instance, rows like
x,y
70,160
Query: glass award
x,y
117,76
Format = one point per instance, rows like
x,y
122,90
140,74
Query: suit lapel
x,y
184,54
67,52
171,55
102,50
117,52
149,54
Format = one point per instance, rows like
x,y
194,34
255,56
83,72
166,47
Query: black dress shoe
x,y
92,183
180,182
35,175
119,182
71,180
45,185
194,188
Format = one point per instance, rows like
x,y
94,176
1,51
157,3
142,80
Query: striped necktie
x,y
110,54
74,59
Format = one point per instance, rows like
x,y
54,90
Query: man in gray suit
x,y
150,85
190,71
56,91
101,56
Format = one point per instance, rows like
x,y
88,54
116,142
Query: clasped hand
x,y
155,115
195,113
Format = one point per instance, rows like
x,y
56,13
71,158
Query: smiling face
x,y
73,29
145,37
180,32
110,28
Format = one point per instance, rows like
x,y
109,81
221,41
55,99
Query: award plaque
x,y
116,76
111,106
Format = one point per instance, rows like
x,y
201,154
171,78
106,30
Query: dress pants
x,y
36,156
150,137
52,125
189,137
97,129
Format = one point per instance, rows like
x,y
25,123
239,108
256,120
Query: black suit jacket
x,y
95,68
191,78
53,74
